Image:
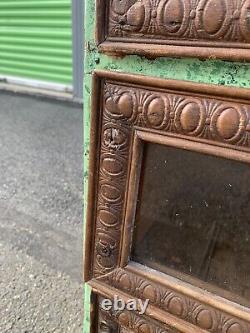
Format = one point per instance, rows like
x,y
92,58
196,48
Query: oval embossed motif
x,y
120,7
107,218
125,105
245,20
228,123
112,166
125,282
214,15
204,319
155,112
110,192
111,106
136,16
190,117
176,306
171,16
149,292
235,328
123,318
144,328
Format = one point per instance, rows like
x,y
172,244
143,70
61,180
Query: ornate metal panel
x,y
127,109
189,309
125,321
200,28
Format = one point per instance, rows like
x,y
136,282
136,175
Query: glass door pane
x,y
193,218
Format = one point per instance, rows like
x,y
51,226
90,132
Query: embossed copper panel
x,y
129,112
124,321
203,28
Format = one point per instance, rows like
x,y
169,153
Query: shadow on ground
x,y
40,215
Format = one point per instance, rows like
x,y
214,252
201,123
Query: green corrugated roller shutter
x,y
36,39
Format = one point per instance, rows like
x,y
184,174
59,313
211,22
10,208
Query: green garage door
x,y
36,40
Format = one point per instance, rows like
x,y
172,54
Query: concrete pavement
x,y
40,215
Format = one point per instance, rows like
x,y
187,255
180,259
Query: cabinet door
x,y
168,213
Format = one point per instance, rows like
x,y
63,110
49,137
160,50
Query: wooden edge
x,y
94,133
100,31
156,50
194,292
179,42
197,139
196,146
178,85
151,311
131,202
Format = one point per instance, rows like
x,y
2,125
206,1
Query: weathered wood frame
x,y
201,45
120,123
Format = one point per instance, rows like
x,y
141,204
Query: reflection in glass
x,y
193,217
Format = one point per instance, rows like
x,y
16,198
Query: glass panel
x,y
193,218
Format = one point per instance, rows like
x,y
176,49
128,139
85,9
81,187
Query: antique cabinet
x,y
167,166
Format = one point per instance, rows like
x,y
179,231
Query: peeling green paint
x,y
208,71
87,295
205,71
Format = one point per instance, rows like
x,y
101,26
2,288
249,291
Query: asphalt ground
x,y
40,215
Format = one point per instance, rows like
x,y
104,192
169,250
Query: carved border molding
x,y
128,321
177,304
207,118
200,28
183,110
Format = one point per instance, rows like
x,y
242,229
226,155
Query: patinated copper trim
x,y
187,28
